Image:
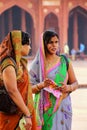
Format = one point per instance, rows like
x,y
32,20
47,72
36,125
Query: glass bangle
x,y
37,87
28,116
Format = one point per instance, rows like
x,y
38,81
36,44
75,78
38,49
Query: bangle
x,y
37,87
71,88
28,116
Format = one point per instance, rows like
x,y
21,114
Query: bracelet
x,y
71,88
28,116
37,87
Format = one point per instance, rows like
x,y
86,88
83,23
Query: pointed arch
x,y
51,22
16,18
77,28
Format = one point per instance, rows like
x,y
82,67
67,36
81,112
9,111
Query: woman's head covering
x,y
11,46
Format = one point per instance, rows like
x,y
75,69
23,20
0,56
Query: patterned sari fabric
x,y
10,55
48,107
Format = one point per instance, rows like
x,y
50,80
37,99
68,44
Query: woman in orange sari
x,y
13,69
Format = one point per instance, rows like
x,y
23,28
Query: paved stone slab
x,y
80,69
79,105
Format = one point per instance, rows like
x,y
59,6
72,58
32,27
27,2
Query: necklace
x,y
50,63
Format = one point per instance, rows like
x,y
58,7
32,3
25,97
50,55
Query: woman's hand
x,y
46,83
50,83
28,124
64,88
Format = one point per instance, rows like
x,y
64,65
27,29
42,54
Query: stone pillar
x,y
3,27
23,20
65,28
10,20
75,32
41,19
63,25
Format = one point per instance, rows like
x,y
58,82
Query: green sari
x,y
46,104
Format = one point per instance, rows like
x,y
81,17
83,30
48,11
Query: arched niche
x,y
77,31
16,18
51,22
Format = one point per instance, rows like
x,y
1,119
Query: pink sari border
x,y
58,64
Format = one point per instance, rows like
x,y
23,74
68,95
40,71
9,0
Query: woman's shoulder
x,y
7,62
67,60
64,57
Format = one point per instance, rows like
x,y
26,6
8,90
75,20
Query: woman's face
x,y
25,50
53,45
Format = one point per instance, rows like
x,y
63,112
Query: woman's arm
x,y
47,82
73,84
10,81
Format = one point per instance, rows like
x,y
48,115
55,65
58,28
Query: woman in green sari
x,y
52,84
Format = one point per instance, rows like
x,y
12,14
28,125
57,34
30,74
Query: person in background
x,y
66,49
13,49
52,84
73,54
81,50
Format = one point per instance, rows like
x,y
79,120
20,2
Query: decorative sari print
x,y
10,54
48,105
59,116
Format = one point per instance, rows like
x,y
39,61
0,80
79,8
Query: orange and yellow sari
x,y
10,55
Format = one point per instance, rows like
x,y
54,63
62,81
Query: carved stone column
x,y
75,32
10,20
23,20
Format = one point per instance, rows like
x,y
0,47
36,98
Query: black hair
x,y
26,38
47,35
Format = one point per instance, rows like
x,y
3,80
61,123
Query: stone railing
x,y
82,85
